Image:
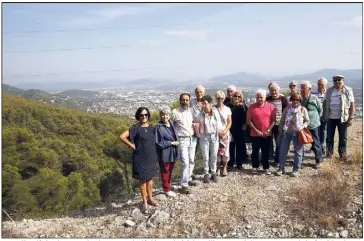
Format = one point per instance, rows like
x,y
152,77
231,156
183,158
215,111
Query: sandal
x,y
153,203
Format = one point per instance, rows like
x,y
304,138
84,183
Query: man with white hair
x,y
279,102
339,112
320,93
314,109
229,95
196,107
261,118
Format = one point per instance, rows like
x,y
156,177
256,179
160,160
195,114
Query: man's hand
x,y
133,146
259,133
266,133
349,122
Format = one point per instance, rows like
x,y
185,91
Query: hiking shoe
x,y
295,174
224,172
267,172
218,172
185,190
214,178
206,178
192,183
193,177
279,172
170,194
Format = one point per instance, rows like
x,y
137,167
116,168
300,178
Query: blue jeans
x,y
322,133
187,149
285,141
316,144
209,145
343,136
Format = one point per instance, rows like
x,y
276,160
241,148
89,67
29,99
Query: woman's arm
x,y
124,138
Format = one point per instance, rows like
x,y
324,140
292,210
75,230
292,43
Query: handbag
x,y
304,136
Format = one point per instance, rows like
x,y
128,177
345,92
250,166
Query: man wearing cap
x,y
338,111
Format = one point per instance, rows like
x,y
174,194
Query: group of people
x,y
222,130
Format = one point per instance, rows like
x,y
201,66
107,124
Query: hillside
x,y
324,203
55,160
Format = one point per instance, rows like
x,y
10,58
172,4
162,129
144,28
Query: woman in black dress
x,y
140,137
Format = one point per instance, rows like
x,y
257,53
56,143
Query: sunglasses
x,y
219,98
141,115
238,96
292,86
336,80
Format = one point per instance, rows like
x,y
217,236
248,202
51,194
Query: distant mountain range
x,y
353,78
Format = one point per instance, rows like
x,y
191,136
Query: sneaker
x,y
240,168
206,178
267,172
230,169
224,172
193,177
295,174
255,170
279,172
192,183
170,194
185,190
214,178
275,164
318,165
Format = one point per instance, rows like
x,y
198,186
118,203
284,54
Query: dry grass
x,y
323,198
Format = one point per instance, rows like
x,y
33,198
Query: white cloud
x,y
103,15
354,21
197,35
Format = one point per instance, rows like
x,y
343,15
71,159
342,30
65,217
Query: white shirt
x,y
335,98
224,112
182,121
195,108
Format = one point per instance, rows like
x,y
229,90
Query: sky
x,y
82,42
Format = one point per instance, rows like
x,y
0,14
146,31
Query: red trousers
x,y
166,174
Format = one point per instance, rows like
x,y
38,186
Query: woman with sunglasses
x,y
294,118
140,137
238,151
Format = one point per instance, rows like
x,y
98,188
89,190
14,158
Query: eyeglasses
x,y
141,115
336,80
292,86
237,96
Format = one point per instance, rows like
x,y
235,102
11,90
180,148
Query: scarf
x,y
293,119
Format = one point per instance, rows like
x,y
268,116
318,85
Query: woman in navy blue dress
x,y
140,137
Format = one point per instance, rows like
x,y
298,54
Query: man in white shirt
x,y
338,111
182,118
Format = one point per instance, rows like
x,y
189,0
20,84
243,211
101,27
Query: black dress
x,y
144,155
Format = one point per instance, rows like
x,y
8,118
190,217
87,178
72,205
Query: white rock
x,y
344,233
248,226
129,223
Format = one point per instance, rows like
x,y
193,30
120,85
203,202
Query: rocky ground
x,y
241,205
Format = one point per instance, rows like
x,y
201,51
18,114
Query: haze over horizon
x,y
88,42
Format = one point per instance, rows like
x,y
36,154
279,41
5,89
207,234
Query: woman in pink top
x,y
261,117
